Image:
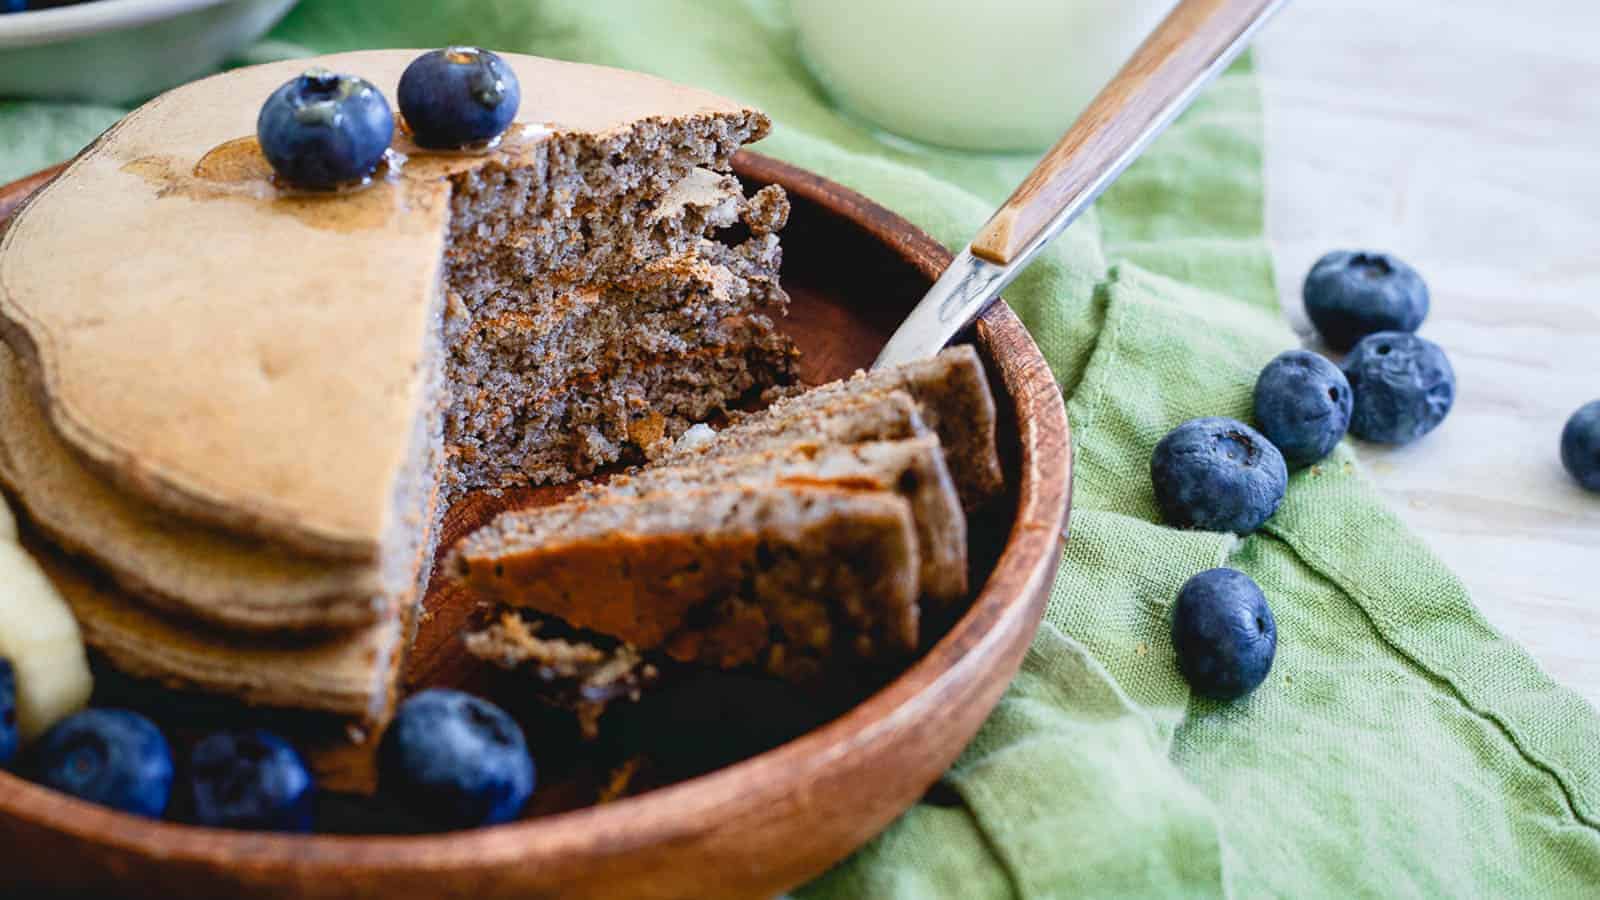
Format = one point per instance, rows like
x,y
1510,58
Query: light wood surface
x,y
1192,39
752,829
1464,135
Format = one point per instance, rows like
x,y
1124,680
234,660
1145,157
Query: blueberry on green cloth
x,y
10,739
458,96
1404,387
113,757
1224,633
323,130
457,760
1353,293
1302,405
1217,474
1580,445
250,780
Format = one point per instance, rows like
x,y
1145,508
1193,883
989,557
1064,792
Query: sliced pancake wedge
x,y
913,468
875,416
786,577
952,397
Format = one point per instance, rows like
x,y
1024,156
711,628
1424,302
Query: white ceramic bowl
x,y
991,75
120,51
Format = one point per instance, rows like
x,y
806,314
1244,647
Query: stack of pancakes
x,y
234,413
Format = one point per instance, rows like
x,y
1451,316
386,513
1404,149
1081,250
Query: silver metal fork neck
x,y
971,284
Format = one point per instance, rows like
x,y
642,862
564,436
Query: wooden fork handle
x,y
1174,61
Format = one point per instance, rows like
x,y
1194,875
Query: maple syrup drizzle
x,y
407,176
516,136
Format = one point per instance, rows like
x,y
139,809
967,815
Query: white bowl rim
x,y
46,26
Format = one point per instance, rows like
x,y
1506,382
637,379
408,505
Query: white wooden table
x,y
1464,135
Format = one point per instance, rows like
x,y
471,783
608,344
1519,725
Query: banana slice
x,y
40,636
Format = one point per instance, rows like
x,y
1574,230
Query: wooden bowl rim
x,y
661,815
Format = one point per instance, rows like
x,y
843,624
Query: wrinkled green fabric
x,y
1400,747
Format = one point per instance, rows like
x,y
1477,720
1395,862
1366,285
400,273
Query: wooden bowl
x,y
754,828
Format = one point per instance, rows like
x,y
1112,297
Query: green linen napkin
x,y
1400,747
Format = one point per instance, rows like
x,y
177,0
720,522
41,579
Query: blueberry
x,y
455,759
251,780
458,96
113,757
1217,474
9,738
1350,294
1224,633
1403,387
1580,445
323,130
12,6
1302,404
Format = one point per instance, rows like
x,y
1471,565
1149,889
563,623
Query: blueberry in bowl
x,y
324,130
1302,405
1403,386
456,760
1224,634
458,97
1580,445
250,779
10,738
1350,294
1217,474
113,757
